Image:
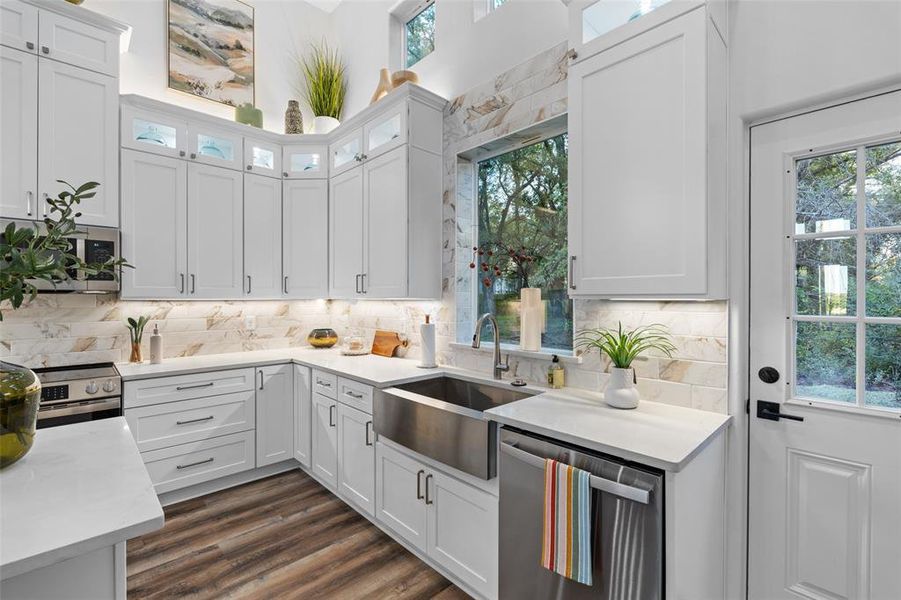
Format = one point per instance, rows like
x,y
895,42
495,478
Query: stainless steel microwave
x,y
93,244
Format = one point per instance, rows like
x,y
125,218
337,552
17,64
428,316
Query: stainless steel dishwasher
x,y
626,523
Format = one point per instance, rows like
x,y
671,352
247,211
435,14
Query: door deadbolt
x,y
768,375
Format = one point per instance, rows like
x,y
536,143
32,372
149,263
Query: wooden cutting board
x,y
385,343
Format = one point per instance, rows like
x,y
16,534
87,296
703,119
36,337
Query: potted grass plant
x,y
325,86
623,347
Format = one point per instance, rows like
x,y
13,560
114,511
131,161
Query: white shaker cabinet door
x,y
400,498
302,413
18,144
78,44
154,225
325,439
385,234
262,237
275,414
19,26
215,232
356,457
305,244
78,138
346,235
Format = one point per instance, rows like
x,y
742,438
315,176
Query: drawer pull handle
x,y
323,383
368,428
428,500
353,395
201,419
194,387
419,484
203,462
331,414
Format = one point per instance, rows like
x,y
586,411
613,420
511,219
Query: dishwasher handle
x,y
599,483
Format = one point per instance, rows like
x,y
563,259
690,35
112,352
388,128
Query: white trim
x,y
565,356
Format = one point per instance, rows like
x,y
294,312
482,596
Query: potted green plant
x,y
325,86
623,347
29,253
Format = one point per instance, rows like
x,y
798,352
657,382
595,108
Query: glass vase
x,y
136,355
20,396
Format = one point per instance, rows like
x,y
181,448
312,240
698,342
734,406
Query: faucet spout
x,y
499,366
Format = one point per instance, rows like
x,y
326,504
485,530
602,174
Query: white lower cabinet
x,y
453,523
324,436
356,457
302,414
275,414
188,464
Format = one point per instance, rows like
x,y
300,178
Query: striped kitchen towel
x,y
566,543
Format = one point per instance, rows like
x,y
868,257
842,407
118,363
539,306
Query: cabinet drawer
x,y
78,44
325,384
184,387
355,394
164,425
196,462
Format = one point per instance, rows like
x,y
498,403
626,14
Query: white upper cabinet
x,y
274,414
156,132
305,240
19,25
386,132
262,237
347,152
79,44
346,222
386,224
215,232
78,138
213,146
262,158
19,123
305,161
647,167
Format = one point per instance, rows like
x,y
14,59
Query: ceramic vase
x,y
20,397
249,114
325,124
293,118
530,319
621,391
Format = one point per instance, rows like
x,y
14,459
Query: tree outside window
x,y
522,208
419,39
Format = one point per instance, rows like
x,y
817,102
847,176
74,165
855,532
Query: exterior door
x,y
346,234
385,232
215,232
325,439
356,457
19,143
825,477
262,237
154,225
305,232
275,414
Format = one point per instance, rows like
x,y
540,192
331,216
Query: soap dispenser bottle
x,y
156,346
555,374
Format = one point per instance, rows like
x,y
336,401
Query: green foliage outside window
x,y
420,35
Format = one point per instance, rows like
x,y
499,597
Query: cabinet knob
x,y
29,45
285,174
193,155
45,49
250,167
181,152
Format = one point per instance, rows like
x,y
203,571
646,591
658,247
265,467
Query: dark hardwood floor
x,y
285,536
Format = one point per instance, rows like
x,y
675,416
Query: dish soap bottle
x,y
156,346
555,374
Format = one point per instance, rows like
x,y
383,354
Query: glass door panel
x,y
347,152
305,162
151,132
386,132
213,147
263,158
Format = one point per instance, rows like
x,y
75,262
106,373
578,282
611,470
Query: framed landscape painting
x,y
211,49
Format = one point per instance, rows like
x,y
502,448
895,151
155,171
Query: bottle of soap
x,y
156,346
555,373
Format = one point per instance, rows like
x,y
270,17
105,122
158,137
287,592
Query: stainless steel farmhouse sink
x,y
442,418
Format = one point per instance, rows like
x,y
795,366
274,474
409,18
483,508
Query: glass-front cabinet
x,y
150,131
386,132
262,158
347,152
305,161
216,147
602,16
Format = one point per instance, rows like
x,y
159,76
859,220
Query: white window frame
x,y
483,8
860,318
405,12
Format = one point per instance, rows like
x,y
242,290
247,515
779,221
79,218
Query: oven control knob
x,y
91,388
109,386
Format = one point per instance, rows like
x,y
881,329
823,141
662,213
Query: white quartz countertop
x,y
654,434
80,488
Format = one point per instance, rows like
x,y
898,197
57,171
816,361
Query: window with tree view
x,y
847,276
419,35
522,239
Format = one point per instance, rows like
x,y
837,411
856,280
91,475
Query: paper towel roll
x,y
427,333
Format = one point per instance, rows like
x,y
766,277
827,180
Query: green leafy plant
x,y
29,253
624,346
136,328
323,73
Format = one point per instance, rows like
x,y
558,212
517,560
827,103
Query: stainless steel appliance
x,y
79,393
92,245
626,520
441,417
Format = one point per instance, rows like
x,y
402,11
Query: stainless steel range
x,y
79,393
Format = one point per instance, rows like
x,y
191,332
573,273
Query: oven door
x,y
53,415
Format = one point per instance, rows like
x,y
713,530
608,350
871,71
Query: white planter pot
x,y
530,319
325,124
621,391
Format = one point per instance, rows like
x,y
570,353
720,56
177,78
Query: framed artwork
x,y
211,48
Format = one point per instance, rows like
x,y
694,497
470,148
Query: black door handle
x,y
771,412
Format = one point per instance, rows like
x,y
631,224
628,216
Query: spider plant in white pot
x,y
623,347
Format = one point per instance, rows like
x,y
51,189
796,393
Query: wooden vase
x,y
383,87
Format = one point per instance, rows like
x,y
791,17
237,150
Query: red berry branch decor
x,y
495,260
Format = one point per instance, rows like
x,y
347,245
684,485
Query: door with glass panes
x,y
825,354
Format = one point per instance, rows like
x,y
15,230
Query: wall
x,y
286,26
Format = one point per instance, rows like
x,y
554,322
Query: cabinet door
x,y
215,232
78,44
262,158
347,152
154,225
356,457
386,131
19,124
275,414
305,162
325,439
150,131
78,138
216,147
400,499
346,234
385,235
637,170
305,238
262,237
463,531
302,414
18,26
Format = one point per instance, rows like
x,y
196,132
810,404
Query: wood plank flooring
x,y
285,536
